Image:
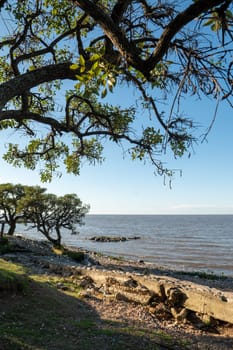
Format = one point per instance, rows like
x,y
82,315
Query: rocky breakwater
x,y
166,294
179,297
112,239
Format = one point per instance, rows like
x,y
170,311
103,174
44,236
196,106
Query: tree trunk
x,y
12,228
55,241
58,237
2,229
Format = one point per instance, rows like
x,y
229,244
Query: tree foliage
x,y
12,203
61,59
44,211
49,214
9,205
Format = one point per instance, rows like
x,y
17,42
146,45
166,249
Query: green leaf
x,y
80,77
54,11
104,93
207,23
95,65
31,68
82,69
74,66
95,57
82,60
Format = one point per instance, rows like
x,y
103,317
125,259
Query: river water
x,y
184,242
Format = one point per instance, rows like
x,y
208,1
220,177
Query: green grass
x,y
12,277
204,275
152,339
86,323
76,256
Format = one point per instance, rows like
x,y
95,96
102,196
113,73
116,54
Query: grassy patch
x,y
13,343
204,275
12,277
73,254
65,284
76,256
143,338
86,323
117,258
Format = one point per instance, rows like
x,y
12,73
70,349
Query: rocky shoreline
x,y
111,285
43,249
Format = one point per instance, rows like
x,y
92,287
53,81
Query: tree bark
x,y
2,229
12,227
24,82
55,241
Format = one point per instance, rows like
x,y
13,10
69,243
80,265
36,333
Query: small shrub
x,y
5,246
3,240
77,256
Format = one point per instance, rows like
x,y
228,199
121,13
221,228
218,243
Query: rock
x,y
162,311
106,239
86,282
175,297
181,315
131,283
61,286
121,297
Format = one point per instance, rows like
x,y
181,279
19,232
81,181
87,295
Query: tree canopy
x,y
13,199
46,212
60,60
9,206
50,214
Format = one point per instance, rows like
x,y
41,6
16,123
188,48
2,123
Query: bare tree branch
x,y
193,11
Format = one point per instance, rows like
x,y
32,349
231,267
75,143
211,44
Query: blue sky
x,y
122,186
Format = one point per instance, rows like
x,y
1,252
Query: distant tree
x,y
164,50
49,214
43,211
12,203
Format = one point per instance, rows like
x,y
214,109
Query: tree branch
x,y
2,3
183,18
119,9
20,84
127,49
48,49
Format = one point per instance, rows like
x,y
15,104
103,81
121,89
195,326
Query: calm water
x,y
189,242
